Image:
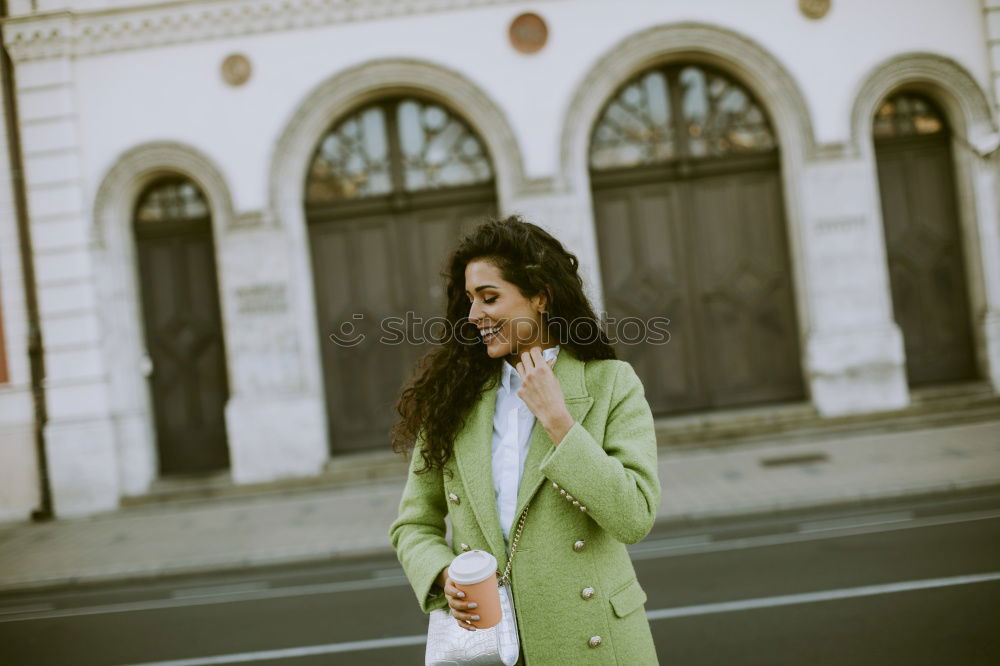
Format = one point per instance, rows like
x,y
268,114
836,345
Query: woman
x,y
526,404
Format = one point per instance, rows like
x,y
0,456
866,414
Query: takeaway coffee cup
x,y
475,573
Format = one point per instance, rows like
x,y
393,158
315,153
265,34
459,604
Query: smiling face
x,y
508,322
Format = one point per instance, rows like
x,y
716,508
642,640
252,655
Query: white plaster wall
x,y
176,92
91,109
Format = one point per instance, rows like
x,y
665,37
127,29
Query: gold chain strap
x,y
505,578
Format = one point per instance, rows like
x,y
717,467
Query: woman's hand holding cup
x,y
463,611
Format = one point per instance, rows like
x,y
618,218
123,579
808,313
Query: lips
x,y
488,334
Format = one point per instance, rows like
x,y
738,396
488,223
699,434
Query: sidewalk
x,y
309,525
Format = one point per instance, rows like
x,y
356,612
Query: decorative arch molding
x,y
754,67
138,167
119,296
372,80
315,113
750,62
948,83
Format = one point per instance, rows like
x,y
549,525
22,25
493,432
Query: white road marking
x,y
855,521
662,614
824,595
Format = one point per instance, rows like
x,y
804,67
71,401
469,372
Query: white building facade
x,y
126,112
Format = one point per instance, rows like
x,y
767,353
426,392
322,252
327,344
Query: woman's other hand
x,y
542,394
463,611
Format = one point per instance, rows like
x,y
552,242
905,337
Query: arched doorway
x,y
923,243
389,189
688,205
183,326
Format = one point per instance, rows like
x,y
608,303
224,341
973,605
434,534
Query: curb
x,y
948,490
700,519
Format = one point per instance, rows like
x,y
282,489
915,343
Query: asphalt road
x,y
914,583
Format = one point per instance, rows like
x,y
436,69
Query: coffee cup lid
x,y
472,566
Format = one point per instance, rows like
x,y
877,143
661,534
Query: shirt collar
x,y
510,372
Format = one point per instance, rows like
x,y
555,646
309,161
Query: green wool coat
x,y
607,463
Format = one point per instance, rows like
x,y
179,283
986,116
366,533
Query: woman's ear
x,y
540,303
544,299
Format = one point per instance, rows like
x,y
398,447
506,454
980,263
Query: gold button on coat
x,y
453,498
465,547
595,641
579,545
569,498
555,485
587,593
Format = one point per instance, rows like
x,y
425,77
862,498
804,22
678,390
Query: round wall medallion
x,y
814,9
528,33
236,69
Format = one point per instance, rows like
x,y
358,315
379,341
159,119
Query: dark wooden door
x,y
391,189
690,222
371,272
710,254
183,329
924,247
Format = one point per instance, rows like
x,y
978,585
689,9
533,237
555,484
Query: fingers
x,y
532,359
464,617
537,357
458,602
465,625
451,591
463,611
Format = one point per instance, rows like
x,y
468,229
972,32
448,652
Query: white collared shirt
x,y
512,424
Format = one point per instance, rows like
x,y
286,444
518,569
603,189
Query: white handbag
x,y
450,645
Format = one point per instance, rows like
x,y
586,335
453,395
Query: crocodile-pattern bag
x,y
450,645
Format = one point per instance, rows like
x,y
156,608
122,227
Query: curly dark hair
x,y
453,376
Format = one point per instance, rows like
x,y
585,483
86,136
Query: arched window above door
x,y
171,199
678,111
907,114
398,145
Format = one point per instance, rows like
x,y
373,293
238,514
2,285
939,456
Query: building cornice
x,y
68,33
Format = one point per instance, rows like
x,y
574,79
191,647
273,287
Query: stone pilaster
x,y
991,14
854,354
83,461
988,196
275,417
19,488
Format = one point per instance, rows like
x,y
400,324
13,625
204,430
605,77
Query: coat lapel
x,y
474,456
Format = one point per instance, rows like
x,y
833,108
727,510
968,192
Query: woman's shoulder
x,y
607,364
603,372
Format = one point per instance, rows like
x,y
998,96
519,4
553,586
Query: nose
x,y
475,315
